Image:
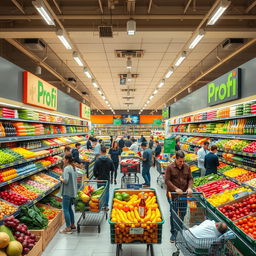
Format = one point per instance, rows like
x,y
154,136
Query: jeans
x,y
203,171
116,164
146,174
180,208
107,195
68,211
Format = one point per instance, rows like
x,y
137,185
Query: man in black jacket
x,y
128,142
75,153
89,143
121,143
211,161
102,169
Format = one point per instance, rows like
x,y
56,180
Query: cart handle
x,y
184,193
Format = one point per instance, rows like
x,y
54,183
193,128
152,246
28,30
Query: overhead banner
x,y
169,145
225,88
85,111
157,122
166,113
38,92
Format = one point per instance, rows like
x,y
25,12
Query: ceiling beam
x,y
149,6
187,5
250,7
18,5
57,6
100,5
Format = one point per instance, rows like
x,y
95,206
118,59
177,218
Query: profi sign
x,y
38,92
85,111
225,88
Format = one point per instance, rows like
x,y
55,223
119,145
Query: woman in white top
x,y
134,147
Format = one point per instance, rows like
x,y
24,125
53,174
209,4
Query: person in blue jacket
x,y
211,161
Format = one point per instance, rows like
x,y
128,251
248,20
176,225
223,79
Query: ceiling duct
x,y
126,90
129,53
34,44
105,31
232,43
128,98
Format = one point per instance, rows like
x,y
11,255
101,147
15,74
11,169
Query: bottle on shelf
x,y
142,206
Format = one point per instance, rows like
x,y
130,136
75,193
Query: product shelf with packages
x,y
193,212
136,218
129,166
91,201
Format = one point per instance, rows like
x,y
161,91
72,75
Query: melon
x,y
14,248
4,239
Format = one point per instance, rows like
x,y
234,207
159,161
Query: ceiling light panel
x,y
64,39
78,59
197,38
44,12
180,59
221,8
87,73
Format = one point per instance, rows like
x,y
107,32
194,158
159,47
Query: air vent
x,y
105,31
126,90
129,53
232,42
128,103
128,97
34,44
125,75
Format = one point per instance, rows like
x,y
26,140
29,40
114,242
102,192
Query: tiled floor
x,y
90,243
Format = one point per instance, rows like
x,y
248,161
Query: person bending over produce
x,y
68,192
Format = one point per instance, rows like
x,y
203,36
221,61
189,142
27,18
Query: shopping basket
x,y
187,212
148,233
92,207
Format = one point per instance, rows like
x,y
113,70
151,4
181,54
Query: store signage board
x,y
38,92
157,122
85,111
169,145
165,113
225,88
117,121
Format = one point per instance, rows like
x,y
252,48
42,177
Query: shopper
x,y
68,192
75,153
146,163
134,147
211,161
151,142
157,152
102,168
178,179
128,142
177,146
96,147
111,140
67,150
201,153
121,143
89,143
114,153
142,139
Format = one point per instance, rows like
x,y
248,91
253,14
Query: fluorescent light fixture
x,y
103,97
221,8
180,59
94,83
129,63
106,102
151,97
148,102
44,12
77,59
197,39
131,27
169,73
64,39
87,73
155,92
129,77
100,92
161,84
68,90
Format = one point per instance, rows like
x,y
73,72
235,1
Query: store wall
x,y
198,99
11,87
108,119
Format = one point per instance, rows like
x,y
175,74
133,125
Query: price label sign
x,y
209,178
136,231
241,194
225,186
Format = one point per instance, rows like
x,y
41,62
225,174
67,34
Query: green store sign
x,y
165,113
225,88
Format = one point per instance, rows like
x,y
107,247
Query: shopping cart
x,y
93,208
135,233
130,171
187,212
161,170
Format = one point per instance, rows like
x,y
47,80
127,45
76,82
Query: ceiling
x,y
164,29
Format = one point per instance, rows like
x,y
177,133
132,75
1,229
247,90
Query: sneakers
x,y
173,238
145,185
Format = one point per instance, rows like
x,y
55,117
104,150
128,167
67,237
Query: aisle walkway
x,y
90,243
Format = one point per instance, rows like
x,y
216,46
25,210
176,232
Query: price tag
x,y
225,186
136,231
241,194
209,178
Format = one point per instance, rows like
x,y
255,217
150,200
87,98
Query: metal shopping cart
x,y
187,212
161,170
130,171
92,208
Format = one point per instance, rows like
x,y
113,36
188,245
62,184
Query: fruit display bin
x,y
136,233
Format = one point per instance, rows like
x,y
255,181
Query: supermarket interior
x,y
127,127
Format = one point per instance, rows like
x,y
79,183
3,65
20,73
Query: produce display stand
x,y
38,248
129,172
195,213
92,218
137,230
90,169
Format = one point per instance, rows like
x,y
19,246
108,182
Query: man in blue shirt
x,y
146,163
211,161
201,153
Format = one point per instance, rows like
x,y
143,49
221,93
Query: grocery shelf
x,y
20,177
238,165
23,161
217,135
222,150
38,137
37,121
216,119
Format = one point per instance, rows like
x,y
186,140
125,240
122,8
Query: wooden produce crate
x,y
38,248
